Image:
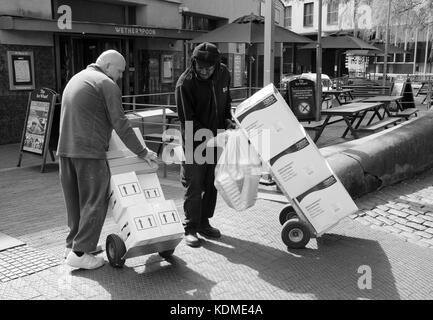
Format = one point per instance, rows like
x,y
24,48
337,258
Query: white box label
x,y
167,217
129,189
145,222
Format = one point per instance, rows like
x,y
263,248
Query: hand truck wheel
x,y
295,234
166,254
115,249
286,214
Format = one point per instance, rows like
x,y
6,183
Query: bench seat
x,y
406,113
379,125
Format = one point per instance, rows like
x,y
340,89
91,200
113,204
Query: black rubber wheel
x,y
115,249
286,214
295,234
166,254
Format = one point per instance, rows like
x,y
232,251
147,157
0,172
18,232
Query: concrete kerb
x,y
382,159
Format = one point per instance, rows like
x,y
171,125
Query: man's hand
x,y
230,124
149,157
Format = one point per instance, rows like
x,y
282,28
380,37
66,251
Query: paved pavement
x,y
391,237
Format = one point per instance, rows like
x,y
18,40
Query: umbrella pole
x,y
250,70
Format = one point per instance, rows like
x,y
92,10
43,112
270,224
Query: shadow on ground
x,y
156,279
331,271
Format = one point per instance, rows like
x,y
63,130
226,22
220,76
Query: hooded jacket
x,y
207,103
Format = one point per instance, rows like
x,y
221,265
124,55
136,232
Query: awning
x,y
32,24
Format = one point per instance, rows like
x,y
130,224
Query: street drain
x,y
23,261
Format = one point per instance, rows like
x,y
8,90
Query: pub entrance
x,y
75,53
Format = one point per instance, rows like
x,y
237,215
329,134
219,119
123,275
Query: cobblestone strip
x,y
404,210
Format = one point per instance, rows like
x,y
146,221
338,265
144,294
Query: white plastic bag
x,y
237,172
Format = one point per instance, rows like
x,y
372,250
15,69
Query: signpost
x,y
37,131
302,99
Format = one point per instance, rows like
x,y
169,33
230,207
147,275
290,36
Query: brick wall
x,y
13,104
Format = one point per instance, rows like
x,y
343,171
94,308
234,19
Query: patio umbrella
x,y
248,29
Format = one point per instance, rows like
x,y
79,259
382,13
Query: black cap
x,y
207,54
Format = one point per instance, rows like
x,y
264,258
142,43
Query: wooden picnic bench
x,y
362,91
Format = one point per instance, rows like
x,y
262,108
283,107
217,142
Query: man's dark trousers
x,y
85,184
200,196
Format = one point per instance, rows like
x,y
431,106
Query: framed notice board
x,y
37,130
21,70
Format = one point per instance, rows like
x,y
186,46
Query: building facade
x,y
415,54
57,38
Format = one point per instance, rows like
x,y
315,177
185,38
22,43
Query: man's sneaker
x,y
209,231
67,250
86,261
192,240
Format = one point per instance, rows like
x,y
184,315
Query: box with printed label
x,y
125,191
151,187
325,204
268,122
299,167
170,221
139,225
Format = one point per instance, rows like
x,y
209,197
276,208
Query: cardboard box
x,y
299,167
139,225
268,122
151,187
125,191
116,147
325,204
149,223
131,163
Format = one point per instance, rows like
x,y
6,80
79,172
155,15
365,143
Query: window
x,y
277,16
196,22
308,14
288,17
332,14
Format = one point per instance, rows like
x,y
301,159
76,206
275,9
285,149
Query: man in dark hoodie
x,y
203,102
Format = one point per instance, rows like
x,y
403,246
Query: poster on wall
x,y
21,70
167,68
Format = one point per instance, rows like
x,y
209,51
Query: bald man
x,y
91,109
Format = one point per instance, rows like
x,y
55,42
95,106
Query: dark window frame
x,y
288,17
308,16
332,12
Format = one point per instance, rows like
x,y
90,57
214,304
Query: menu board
x,y
38,123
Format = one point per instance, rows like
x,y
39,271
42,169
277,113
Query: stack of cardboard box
x,y
137,203
295,162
